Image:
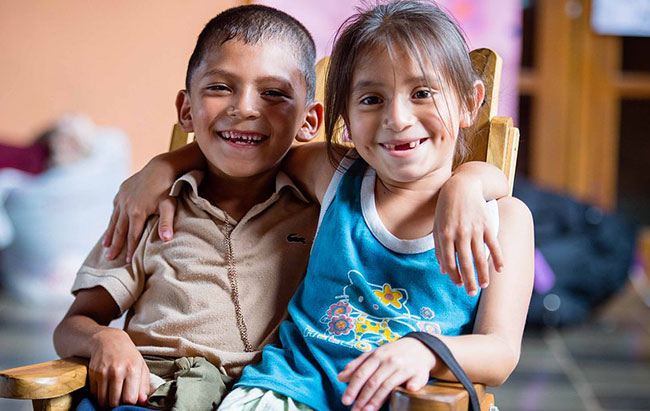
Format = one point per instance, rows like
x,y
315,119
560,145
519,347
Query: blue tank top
x,y
364,287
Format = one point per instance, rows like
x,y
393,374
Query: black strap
x,y
443,353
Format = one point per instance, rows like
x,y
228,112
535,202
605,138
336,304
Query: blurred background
x,y
87,99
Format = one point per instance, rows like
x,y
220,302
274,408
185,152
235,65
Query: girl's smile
x,y
400,148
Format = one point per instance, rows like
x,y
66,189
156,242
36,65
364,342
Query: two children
x,y
246,99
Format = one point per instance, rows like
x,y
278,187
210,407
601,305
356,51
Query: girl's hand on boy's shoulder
x,y
117,372
141,195
461,228
372,376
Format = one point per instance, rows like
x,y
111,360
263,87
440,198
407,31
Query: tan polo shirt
x,y
217,290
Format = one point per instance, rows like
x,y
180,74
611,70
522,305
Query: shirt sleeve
x,y
124,282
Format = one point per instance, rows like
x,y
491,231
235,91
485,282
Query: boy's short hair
x,y
253,23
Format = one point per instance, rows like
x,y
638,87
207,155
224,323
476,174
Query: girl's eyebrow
x,y
364,84
431,81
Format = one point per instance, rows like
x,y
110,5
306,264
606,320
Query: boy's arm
x,y
146,192
488,355
117,372
310,168
491,353
461,224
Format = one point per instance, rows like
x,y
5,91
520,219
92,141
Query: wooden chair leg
x,y
62,403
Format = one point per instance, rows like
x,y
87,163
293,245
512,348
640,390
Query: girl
x,y
401,81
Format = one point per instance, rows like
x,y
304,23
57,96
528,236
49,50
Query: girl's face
x,y
402,125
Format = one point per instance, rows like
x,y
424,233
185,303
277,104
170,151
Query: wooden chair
x,y
53,385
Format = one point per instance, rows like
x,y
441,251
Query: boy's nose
x,y
244,107
399,115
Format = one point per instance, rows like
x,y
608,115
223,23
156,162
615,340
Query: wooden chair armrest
x,y
45,380
441,396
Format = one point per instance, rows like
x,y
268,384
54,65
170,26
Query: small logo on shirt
x,y
295,238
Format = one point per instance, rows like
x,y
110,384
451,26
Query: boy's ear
x,y
313,122
183,111
468,117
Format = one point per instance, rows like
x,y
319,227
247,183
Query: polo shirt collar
x,y
193,179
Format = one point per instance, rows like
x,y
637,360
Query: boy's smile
x,y
246,104
242,138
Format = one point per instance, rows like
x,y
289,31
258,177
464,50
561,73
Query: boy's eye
x,y
370,100
424,93
217,87
274,93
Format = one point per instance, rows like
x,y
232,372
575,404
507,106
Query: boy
x,y
202,306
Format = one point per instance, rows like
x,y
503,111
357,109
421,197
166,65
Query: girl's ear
x,y
183,111
312,123
468,117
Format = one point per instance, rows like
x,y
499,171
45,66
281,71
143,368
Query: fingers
x,y
167,210
136,226
377,388
108,236
130,391
480,262
358,373
144,385
119,234
471,261
417,382
115,391
463,246
495,250
448,252
351,367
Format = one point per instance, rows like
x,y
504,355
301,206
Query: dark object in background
x,y
583,255
31,159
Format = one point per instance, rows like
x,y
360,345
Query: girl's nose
x,y
245,107
399,115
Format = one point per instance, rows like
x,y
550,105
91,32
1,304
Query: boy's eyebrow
x,y
286,83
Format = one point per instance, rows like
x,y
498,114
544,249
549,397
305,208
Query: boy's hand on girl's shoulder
x,y
117,372
372,376
461,227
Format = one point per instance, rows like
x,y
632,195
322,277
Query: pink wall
x,y
119,61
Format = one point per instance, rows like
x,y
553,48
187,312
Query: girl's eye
x,y
370,100
424,93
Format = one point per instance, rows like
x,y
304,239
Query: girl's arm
x,y
117,371
310,168
144,193
488,355
461,224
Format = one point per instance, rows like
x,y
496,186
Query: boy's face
x,y
246,105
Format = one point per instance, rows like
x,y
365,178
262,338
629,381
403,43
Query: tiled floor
x,y
601,365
